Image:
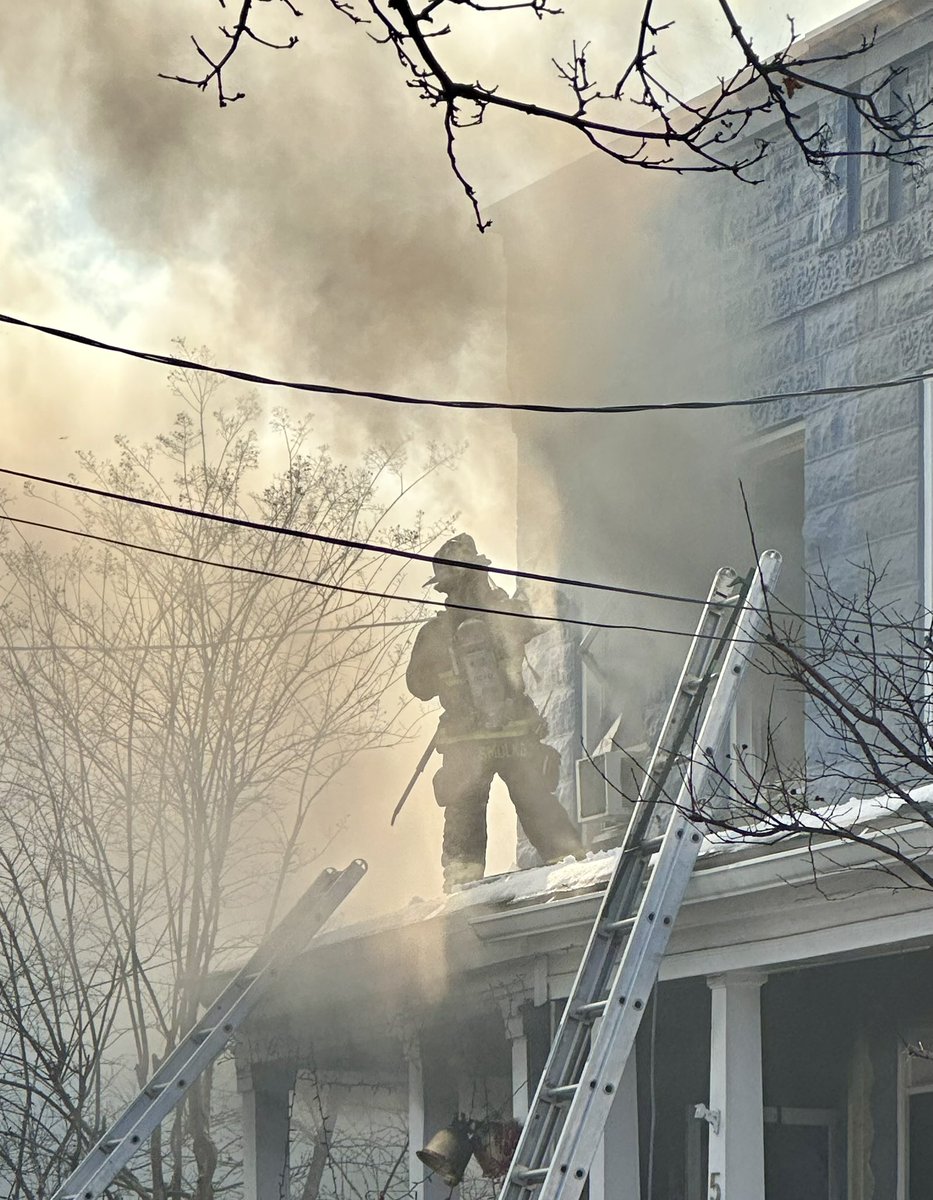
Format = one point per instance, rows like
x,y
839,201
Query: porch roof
x,y
730,864
752,904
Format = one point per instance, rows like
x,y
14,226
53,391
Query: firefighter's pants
x,y
529,769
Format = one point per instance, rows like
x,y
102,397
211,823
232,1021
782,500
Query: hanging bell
x,y
448,1152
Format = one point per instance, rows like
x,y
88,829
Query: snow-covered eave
x,y
731,865
728,873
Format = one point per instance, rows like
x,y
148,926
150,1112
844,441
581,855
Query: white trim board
x,y
926,474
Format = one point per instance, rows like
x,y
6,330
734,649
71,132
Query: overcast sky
x,y
311,230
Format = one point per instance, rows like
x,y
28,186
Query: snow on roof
x,y
558,880
515,886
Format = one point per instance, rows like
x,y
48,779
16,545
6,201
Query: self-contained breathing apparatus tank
x,y
478,663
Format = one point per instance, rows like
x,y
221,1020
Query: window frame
x,y
905,1089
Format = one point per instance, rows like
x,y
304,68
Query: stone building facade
x,y
714,290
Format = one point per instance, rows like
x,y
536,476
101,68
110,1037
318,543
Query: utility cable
x,y
577,622
332,587
339,587
327,389
346,543
113,648
410,555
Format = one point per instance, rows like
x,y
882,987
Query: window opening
x,y
803,1152
767,724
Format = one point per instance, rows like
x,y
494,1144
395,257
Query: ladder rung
x,y
595,1008
96,1171
618,926
529,1176
645,848
563,1091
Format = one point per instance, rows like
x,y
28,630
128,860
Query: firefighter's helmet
x,y
459,549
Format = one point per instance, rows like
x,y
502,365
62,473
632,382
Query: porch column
x,y
265,1093
432,1102
736,1111
513,1017
616,1170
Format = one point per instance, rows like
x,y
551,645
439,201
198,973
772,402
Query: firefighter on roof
x,y
472,661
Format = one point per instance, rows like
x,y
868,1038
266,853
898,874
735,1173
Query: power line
x,y
346,543
327,389
37,648
338,587
331,587
413,556
373,594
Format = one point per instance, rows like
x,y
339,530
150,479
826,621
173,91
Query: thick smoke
x,y
314,230
633,312
308,194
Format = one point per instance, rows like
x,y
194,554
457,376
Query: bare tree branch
x,y
640,120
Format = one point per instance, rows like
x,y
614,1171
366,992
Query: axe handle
x,y
422,763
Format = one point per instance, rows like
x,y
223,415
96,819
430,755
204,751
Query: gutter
x,y
721,878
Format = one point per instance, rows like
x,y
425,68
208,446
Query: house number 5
x,y
715,1188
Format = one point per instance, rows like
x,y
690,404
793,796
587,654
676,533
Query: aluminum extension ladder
x,y
207,1040
608,998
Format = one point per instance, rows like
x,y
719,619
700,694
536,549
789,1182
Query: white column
x,y
417,1134
736,1136
265,1096
514,1023
432,1103
616,1170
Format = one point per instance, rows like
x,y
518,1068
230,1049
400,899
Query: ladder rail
x,y
570,1043
645,949
584,1068
207,1038
705,647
